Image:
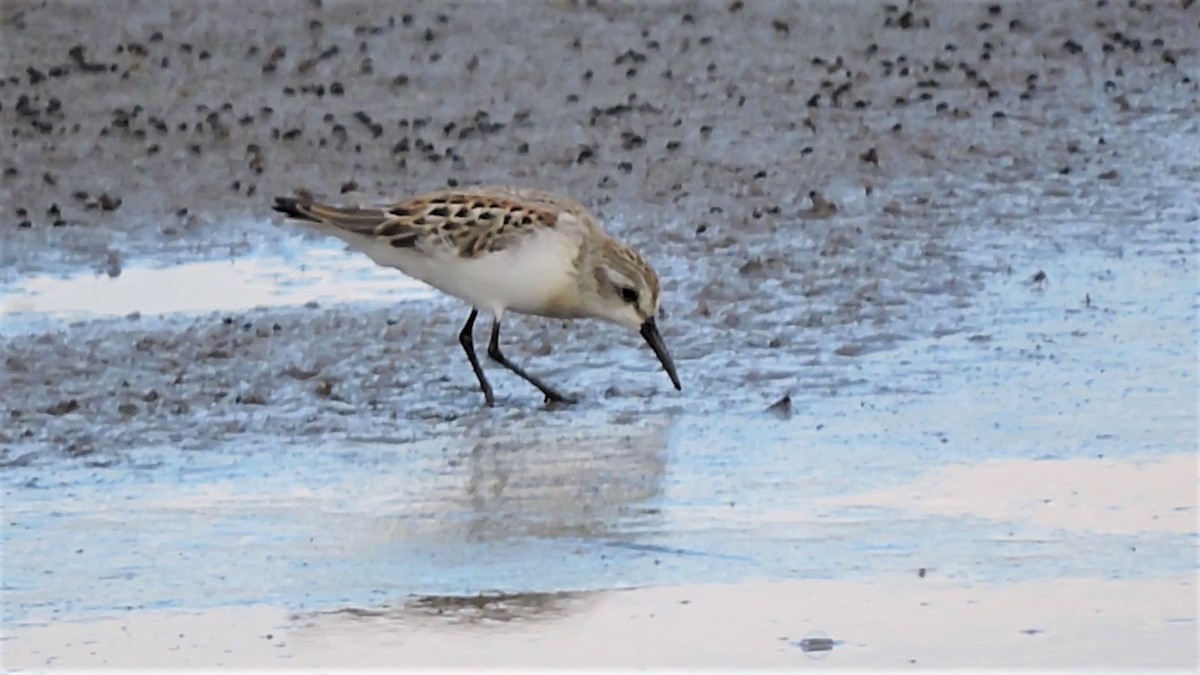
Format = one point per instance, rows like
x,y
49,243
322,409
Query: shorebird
x,y
503,249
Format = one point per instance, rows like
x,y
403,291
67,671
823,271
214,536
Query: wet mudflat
x,y
1006,473
952,422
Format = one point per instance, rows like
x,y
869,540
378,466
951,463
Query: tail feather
x,y
356,220
294,208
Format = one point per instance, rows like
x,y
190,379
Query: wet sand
x,y
950,422
891,623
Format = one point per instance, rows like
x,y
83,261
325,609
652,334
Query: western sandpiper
x,y
503,249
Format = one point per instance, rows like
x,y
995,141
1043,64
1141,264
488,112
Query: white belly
x,y
523,279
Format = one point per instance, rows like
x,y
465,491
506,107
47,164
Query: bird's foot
x,y
556,400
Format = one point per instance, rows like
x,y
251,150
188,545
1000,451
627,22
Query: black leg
x,y
467,340
552,395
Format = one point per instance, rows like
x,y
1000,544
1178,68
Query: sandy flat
x,y
888,623
1098,495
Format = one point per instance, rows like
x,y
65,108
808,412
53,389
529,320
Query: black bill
x,y
650,332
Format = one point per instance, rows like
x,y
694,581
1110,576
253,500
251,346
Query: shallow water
x,y
1090,371
291,272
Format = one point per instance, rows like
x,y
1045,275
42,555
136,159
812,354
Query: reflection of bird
x,y
594,483
503,248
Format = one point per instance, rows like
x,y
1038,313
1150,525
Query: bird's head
x,y
618,285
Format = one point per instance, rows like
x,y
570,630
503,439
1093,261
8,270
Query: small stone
x,y
781,408
63,407
109,203
253,398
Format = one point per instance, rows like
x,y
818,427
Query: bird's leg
x,y
552,395
467,340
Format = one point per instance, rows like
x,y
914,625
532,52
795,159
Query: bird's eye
x,y
629,295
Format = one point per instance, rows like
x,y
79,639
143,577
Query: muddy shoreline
x,y
145,128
